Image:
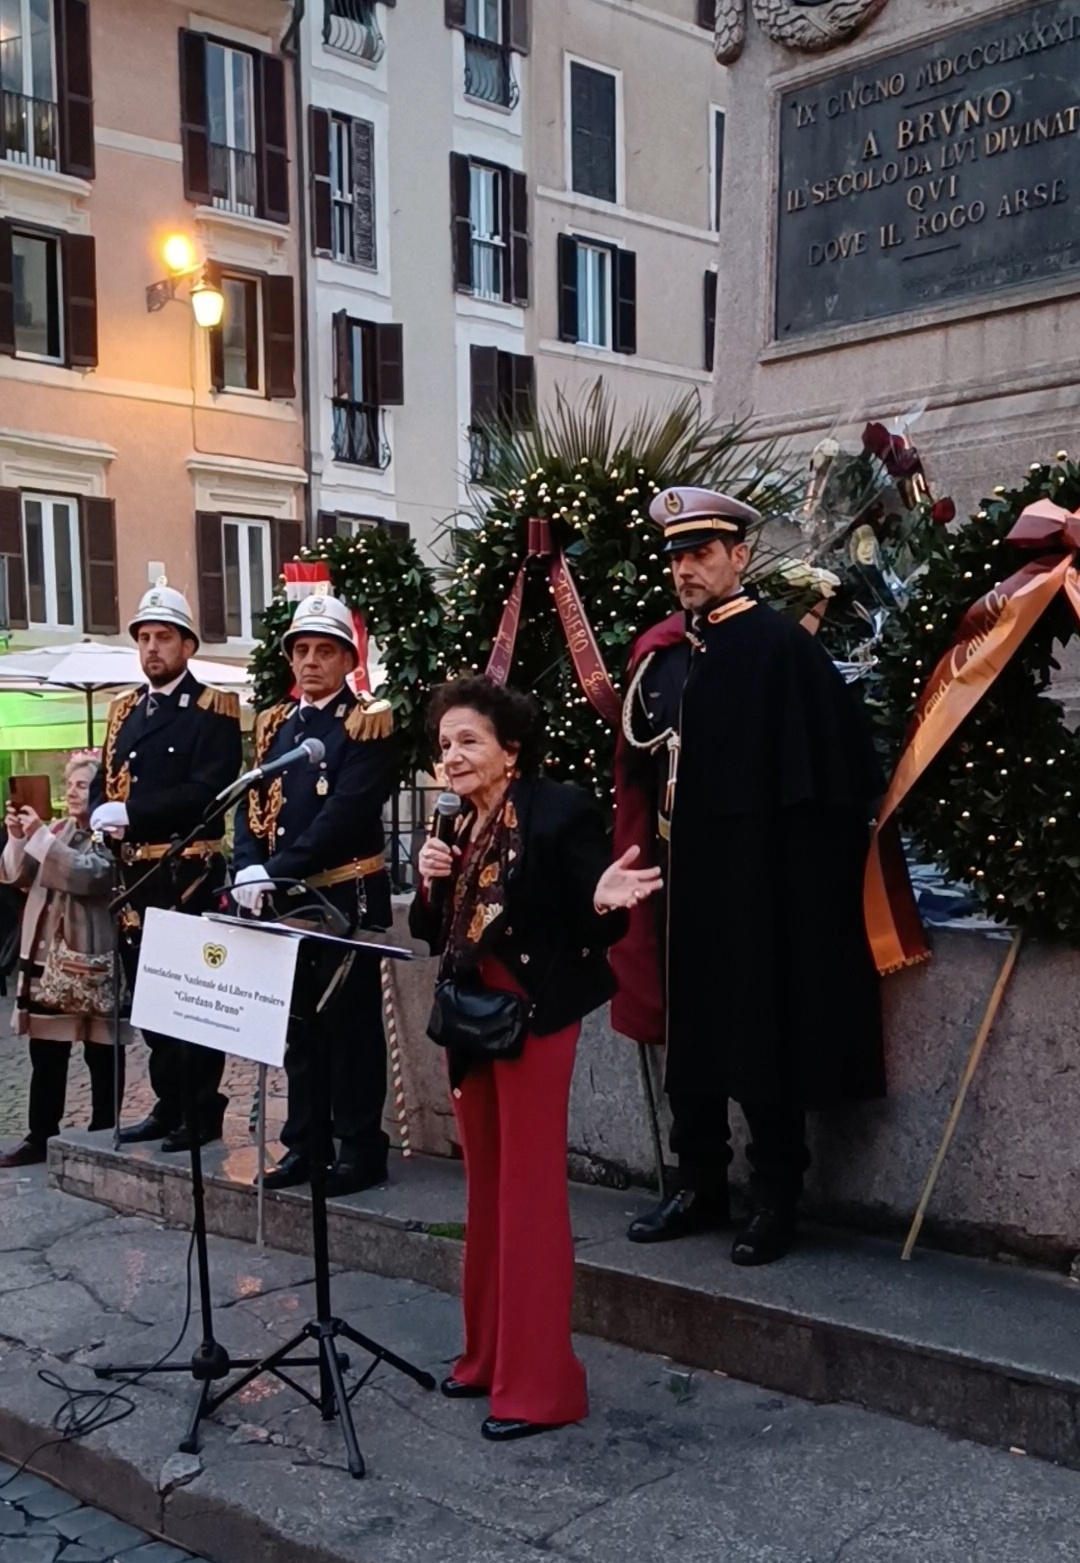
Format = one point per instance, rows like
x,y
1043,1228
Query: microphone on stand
x,y
447,809
312,750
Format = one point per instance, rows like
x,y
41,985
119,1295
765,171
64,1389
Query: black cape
x,y
772,993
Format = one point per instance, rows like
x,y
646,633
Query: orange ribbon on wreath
x,y
584,652
990,633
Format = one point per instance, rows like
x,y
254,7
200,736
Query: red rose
x,y
942,512
899,459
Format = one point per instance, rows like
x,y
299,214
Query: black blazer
x,y
549,938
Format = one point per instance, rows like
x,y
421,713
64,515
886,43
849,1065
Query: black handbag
x,y
478,1023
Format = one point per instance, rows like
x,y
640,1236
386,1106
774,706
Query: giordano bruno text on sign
x,y
943,172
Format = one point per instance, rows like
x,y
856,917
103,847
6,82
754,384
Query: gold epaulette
x,y
223,701
266,725
369,718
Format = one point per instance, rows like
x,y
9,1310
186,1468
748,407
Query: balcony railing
x,y
234,179
27,130
358,435
488,73
350,25
479,454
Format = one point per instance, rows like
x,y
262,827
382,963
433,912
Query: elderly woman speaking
x,y
524,903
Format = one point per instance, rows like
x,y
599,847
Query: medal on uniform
x,y
322,786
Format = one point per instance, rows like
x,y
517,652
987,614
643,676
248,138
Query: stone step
x,y
985,1351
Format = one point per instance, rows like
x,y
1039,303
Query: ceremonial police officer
x,y
170,748
323,824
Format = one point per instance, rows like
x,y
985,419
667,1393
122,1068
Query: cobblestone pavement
x,y
41,1524
238,1084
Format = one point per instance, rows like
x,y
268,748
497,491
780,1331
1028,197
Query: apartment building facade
x,y
135,442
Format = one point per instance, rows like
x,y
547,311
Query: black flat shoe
x,y
180,1139
349,1177
454,1389
147,1129
682,1214
27,1154
767,1237
498,1430
292,1170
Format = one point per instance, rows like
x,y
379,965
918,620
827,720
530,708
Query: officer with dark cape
x,y
746,767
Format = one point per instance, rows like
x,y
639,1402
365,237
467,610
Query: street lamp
x,y
207,301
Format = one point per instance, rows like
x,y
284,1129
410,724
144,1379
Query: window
x,y
593,133
502,392
489,208
28,129
233,128
494,31
706,14
341,523
48,296
352,27
254,348
368,376
248,583
343,187
711,283
597,294
51,550
717,167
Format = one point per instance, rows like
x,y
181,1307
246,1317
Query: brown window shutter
x,y
194,121
483,385
710,317
460,222
519,238
706,14
11,551
390,365
215,337
7,292
279,337
624,263
287,539
210,564
454,13
363,173
516,25
80,301
322,214
74,92
273,137
523,404
326,524
342,364
568,299
97,545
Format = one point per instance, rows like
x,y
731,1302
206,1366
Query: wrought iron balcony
x,y
358,436
350,25
489,76
479,454
234,179
28,130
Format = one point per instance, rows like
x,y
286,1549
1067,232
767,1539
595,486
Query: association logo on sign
x,y
214,955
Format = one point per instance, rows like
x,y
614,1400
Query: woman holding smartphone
x,y
64,992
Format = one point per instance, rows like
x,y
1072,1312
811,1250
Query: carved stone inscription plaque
x,y
938,174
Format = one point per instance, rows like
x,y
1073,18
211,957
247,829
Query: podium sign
x,y
218,984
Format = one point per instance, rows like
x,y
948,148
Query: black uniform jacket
x,y
314,818
549,938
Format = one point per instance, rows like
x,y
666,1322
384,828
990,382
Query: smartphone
x,y
31,792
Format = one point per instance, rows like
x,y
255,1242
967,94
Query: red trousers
x,y
519,1250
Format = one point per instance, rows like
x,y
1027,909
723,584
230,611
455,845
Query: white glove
x,y
250,886
110,818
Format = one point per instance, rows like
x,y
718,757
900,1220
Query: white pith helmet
x,y
163,604
321,614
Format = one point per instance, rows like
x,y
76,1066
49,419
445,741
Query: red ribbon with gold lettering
x,y
584,652
990,633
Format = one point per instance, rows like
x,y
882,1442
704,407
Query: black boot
x,y
767,1236
146,1129
681,1215
180,1139
351,1176
292,1170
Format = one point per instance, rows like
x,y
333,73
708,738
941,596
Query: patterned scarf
x,y
479,897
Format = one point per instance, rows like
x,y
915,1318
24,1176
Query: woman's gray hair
x,y
82,762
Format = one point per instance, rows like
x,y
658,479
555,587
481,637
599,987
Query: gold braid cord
x,y
118,781
263,814
393,1044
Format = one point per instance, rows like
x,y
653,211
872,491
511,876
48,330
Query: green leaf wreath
x,y
998,807
386,579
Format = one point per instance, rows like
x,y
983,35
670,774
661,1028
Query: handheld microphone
x,y
447,809
312,750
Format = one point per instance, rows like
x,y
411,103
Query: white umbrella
x,y
90,666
